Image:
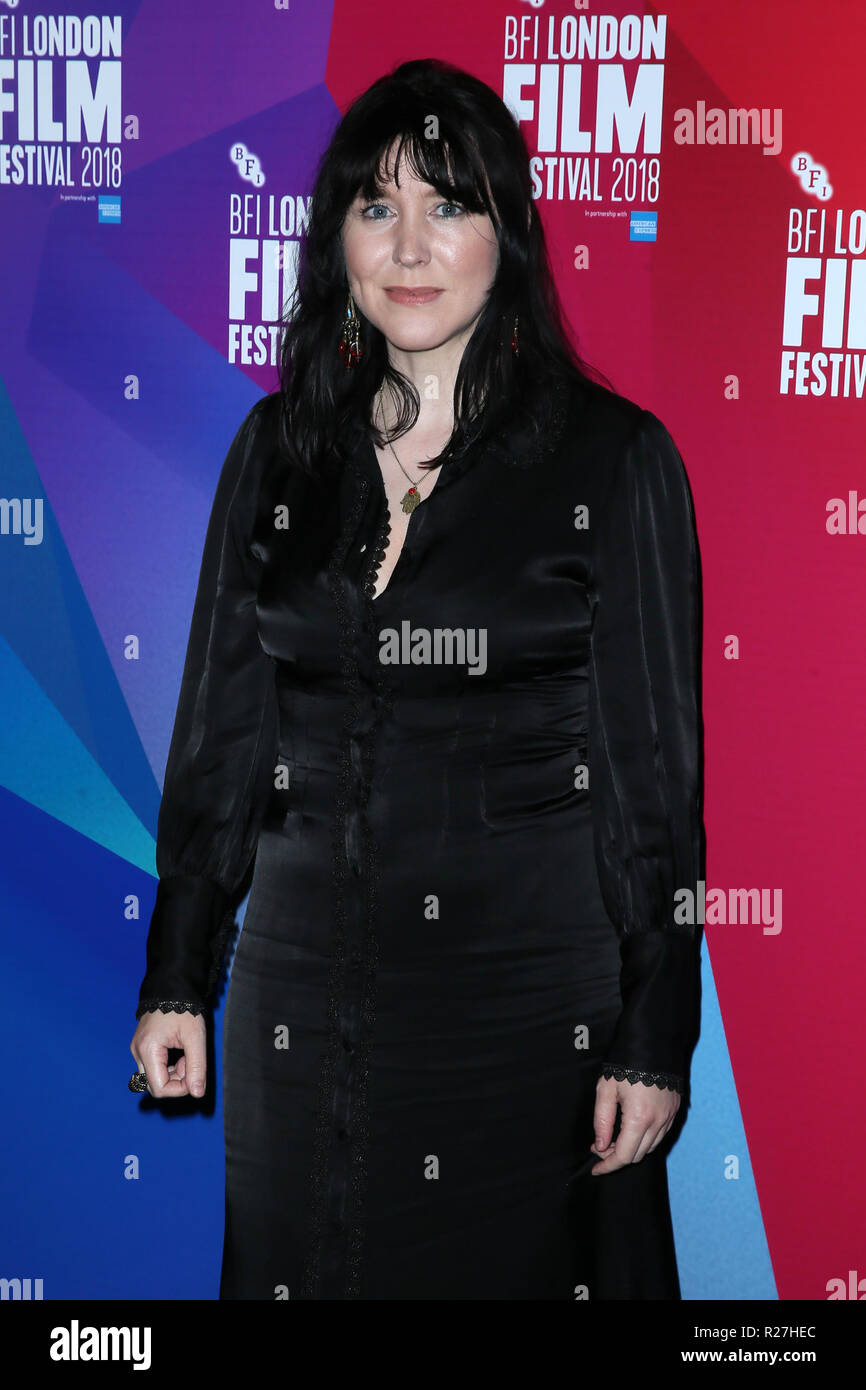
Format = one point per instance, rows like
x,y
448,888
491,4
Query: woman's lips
x,y
419,296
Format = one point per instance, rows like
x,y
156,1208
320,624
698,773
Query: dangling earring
x,y
515,346
350,342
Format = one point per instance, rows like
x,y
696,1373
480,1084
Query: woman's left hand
x,y
647,1114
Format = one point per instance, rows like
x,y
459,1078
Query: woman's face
x,y
413,239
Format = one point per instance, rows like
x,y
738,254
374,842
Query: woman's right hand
x,y
155,1034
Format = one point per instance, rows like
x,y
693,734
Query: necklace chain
x,y
412,497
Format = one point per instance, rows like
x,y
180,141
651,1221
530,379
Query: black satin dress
x,y
469,804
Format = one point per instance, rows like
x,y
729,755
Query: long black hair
x,y
476,157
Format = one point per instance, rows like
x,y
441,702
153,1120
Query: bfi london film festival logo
x,y
824,314
264,246
577,80
61,118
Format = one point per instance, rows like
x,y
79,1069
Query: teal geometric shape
x,y
722,1249
45,763
48,627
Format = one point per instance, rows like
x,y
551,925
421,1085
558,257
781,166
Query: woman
x,y
442,691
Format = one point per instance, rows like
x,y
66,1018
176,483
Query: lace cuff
x,y
664,1079
169,1006
190,930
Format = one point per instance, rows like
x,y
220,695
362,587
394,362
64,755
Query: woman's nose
x,y
411,240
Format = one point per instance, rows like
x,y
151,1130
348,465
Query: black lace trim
x,y
557,422
336,974
219,942
370,949
663,1079
349,641
224,933
524,449
378,553
169,1006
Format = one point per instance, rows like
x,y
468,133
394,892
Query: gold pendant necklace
x,y
412,497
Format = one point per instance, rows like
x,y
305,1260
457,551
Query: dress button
x,y
342,1134
348,1045
337,1224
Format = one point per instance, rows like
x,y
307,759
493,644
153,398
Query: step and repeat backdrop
x,y
699,172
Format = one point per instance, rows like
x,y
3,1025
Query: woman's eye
x,y
456,211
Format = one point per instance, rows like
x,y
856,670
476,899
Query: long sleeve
x,y
221,757
645,749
